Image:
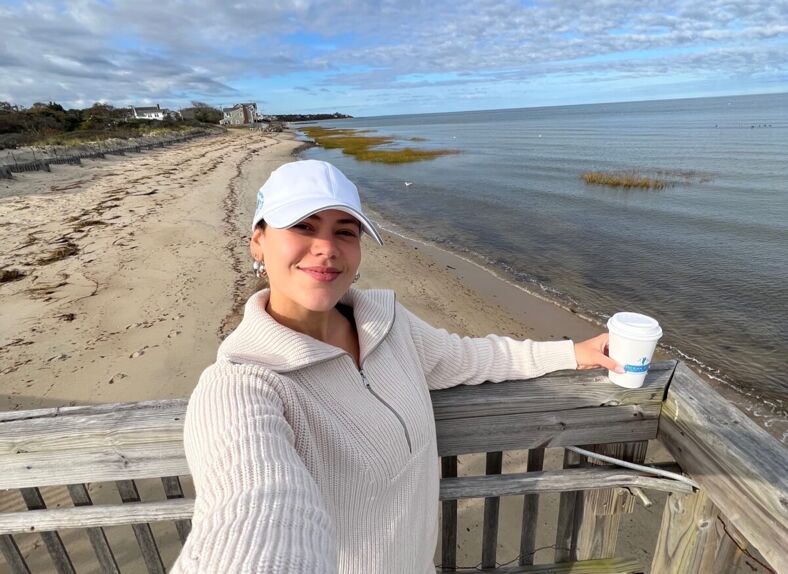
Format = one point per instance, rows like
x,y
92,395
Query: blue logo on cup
x,y
641,368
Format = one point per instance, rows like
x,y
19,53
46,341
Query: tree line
x,y
51,123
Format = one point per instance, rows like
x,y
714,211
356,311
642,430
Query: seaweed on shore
x,y
367,148
8,275
88,223
68,249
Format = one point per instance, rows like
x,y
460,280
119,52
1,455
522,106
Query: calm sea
x,y
707,256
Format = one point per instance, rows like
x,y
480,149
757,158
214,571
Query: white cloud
x,y
208,49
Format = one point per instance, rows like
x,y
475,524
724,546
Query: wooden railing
x,y
741,470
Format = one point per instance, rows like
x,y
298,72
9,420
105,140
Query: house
x,y
149,113
240,114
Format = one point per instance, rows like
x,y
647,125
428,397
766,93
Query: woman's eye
x,y
348,232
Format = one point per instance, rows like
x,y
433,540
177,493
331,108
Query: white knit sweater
x,y
304,463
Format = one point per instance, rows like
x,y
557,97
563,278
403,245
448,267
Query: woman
x,y
311,440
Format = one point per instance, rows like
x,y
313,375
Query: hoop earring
x,y
259,269
357,276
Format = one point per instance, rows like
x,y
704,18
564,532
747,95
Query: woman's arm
x,y
258,509
449,360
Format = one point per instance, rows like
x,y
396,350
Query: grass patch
x,y
351,142
626,179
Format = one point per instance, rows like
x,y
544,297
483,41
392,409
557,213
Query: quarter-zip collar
x,y
262,340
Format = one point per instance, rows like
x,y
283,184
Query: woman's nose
x,y
325,245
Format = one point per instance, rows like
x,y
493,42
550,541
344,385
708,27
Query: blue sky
x,y
388,56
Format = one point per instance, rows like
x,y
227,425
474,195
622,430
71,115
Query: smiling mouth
x,y
321,275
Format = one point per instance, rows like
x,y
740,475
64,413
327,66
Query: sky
x,y
368,58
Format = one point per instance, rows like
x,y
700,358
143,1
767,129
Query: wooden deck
x,y
742,473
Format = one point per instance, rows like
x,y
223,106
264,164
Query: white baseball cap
x,y
299,189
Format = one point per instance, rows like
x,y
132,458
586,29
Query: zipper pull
x,y
363,378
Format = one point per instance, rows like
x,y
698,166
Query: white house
x,y
148,113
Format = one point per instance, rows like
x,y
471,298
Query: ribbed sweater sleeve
x,y
449,360
258,509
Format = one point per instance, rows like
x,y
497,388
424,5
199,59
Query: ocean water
x,y
706,256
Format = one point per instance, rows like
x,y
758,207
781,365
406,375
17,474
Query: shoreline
x,y
520,302
140,306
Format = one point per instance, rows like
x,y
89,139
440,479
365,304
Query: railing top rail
x,y
741,468
105,442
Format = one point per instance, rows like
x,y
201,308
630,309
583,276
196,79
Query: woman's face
x,y
312,263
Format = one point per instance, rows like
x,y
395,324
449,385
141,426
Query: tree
x,y
204,113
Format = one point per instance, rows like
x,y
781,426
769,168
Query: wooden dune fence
x,y
75,157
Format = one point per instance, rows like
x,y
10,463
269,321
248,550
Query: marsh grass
x,y
627,179
361,146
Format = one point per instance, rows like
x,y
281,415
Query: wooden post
x,y
449,519
150,552
694,537
602,509
13,557
530,511
569,507
172,490
491,506
54,544
80,497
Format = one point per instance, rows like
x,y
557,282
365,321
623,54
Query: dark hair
x,y
260,225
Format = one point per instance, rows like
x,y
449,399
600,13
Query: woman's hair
x,y
260,225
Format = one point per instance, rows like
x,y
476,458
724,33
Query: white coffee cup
x,y
633,338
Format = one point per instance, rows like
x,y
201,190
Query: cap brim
x,y
288,215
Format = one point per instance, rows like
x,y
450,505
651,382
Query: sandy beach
x,y
134,269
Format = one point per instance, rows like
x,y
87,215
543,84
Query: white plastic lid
x,y
634,326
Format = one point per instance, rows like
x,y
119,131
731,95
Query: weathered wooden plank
x,y
625,423
491,506
692,538
562,390
614,566
98,540
569,507
742,469
449,517
95,516
13,557
567,480
52,541
75,466
451,489
48,430
73,445
142,532
602,508
530,512
173,490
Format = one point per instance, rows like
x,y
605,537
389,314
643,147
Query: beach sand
x,y
135,269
